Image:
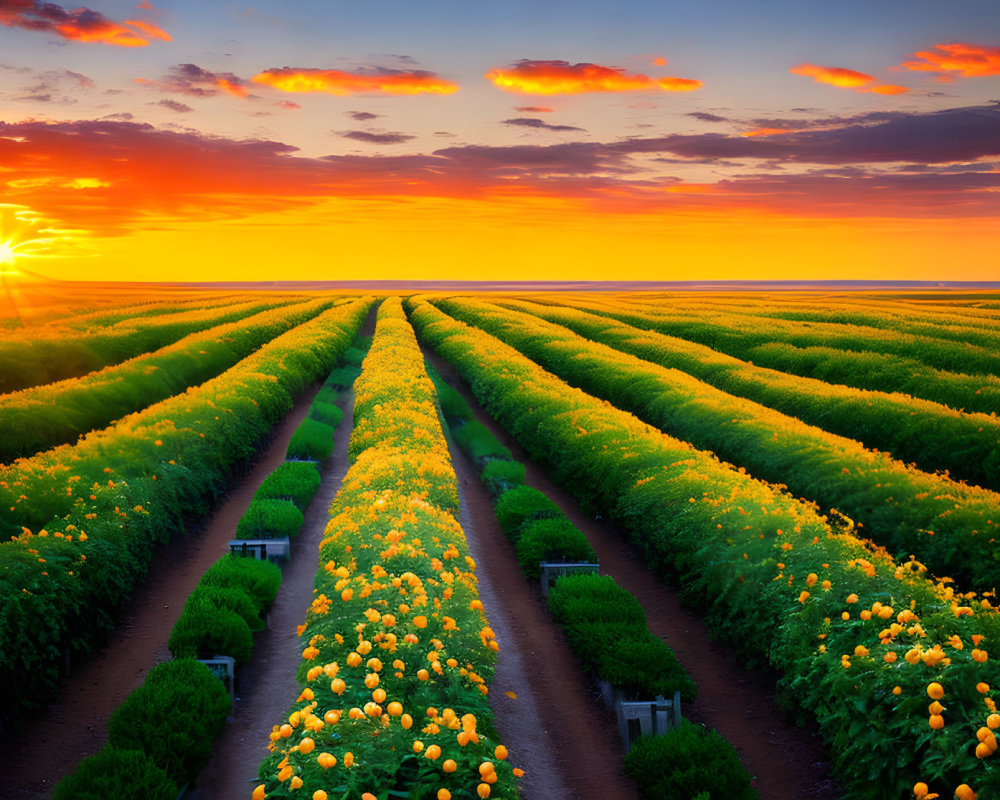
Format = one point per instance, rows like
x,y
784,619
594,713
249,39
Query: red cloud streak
x,y
80,24
965,60
561,77
846,79
341,82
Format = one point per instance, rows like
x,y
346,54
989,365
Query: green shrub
x,y
480,445
520,504
501,475
325,411
205,629
312,440
118,774
294,480
173,717
259,579
576,599
235,598
607,631
269,518
453,405
686,762
554,539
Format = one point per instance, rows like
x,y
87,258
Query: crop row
x,y
397,653
42,355
45,416
933,436
879,371
737,334
950,526
858,638
130,487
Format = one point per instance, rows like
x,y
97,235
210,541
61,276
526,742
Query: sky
x,y
626,140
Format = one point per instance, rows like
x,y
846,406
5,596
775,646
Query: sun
x,y
8,256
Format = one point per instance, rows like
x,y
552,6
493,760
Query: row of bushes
x,y
161,736
61,584
949,526
604,624
219,618
46,416
736,333
277,507
36,356
396,652
933,436
857,637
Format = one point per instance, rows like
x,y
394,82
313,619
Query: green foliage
x,y
896,504
453,405
122,774
501,475
205,629
686,762
312,440
326,412
522,504
259,579
554,539
269,518
606,628
174,717
480,445
293,480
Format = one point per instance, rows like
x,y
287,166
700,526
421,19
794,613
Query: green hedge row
x,y
396,651
131,485
37,356
160,737
857,637
735,334
935,437
46,416
949,526
225,608
620,647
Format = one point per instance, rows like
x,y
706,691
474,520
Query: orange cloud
x,y
561,77
80,24
846,79
968,60
340,82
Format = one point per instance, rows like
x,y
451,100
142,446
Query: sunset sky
x,y
725,139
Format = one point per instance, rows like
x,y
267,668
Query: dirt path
x,y
786,760
75,724
266,685
556,728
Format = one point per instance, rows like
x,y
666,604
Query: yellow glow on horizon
x,y
536,238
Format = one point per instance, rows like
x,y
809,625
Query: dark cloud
x,y
534,109
531,122
389,137
194,81
704,116
174,105
362,116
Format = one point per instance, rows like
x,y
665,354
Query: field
x,y
793,498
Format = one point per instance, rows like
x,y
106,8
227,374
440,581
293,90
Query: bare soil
x,y
75,724
787,761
